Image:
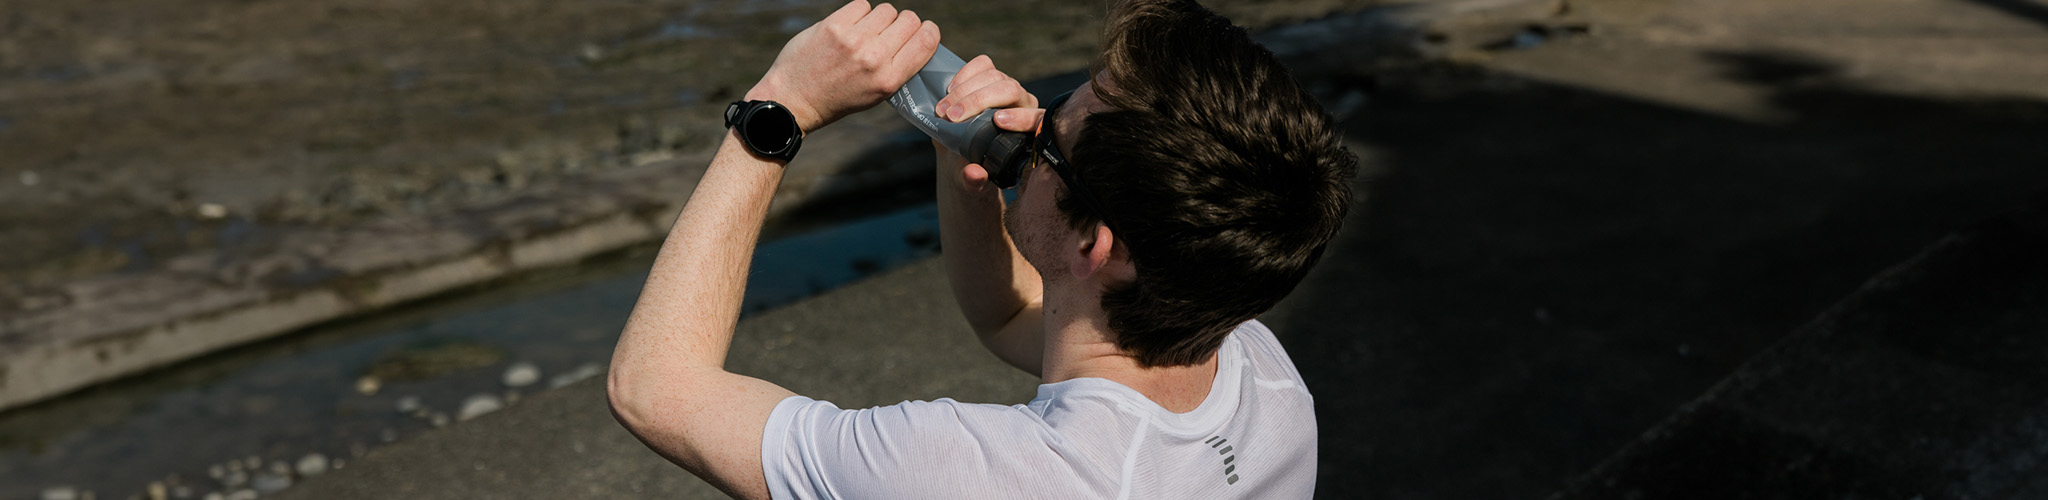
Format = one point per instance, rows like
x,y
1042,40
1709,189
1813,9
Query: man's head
x,y
1222,178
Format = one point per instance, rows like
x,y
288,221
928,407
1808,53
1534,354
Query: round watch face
x,y
770,129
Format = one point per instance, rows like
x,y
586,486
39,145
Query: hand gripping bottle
x,y
979,140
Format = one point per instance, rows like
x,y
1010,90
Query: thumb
x,y
974,178
1019,119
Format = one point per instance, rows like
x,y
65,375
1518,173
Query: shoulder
x,y
1268,360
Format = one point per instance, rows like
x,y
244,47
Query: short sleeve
x,y
812,449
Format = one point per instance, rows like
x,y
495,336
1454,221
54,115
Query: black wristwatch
x,y
766,127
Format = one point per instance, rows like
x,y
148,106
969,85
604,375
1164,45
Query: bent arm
x,y
999,292
668,383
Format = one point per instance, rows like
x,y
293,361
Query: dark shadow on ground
x,y
2026,9
1545,272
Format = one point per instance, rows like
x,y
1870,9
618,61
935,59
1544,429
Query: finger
x,y
848,14
915,53
1001,94
1019,119
962,86
876,20
899,31
974,67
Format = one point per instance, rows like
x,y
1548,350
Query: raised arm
x,y
997,290
668,383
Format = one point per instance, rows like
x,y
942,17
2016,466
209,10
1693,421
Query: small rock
x,y
581,372
214,495
368,385
408,404
212,210
438,419
157,491
271,482
313,464
251,463
60,493
242,495
521,374
216,471
234,478
181,492
29,178
339,463
478,405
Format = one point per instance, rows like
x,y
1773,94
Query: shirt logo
x,y
1218,443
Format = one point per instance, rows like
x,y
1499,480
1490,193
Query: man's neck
x,y
1078,346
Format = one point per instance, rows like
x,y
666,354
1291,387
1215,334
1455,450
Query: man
x,y
1180,193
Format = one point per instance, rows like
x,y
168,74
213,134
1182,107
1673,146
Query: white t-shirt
x,y
1254,436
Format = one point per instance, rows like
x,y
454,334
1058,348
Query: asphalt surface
x,y
1926,383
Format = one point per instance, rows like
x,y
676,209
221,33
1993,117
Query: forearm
x,y
990,281
690,305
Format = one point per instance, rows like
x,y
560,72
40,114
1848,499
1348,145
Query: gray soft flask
x,y
979,140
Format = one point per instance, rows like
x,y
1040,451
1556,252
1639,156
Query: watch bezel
x,y
744,115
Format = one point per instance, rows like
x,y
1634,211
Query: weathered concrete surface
x,y
122,323
240,171
1930,382
892,338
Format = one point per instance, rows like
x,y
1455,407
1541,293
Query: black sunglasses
x,y
1047,150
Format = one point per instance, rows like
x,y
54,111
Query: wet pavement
x,y
306,393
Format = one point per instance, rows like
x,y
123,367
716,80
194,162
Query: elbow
x,y
619,395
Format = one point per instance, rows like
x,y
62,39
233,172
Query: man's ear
x,y
1093,251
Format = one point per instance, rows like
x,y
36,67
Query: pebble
x,y
313,464
215,496
30,178
234,477
478,405
408,404
438,419
252,463
242,495
368,385
581,372
212,210
60,493
157,491
215,471
181,492
271,482
521,374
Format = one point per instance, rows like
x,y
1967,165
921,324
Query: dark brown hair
x,y
1225,178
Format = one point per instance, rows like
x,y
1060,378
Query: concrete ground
x,y
1578,222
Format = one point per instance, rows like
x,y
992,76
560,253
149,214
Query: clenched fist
x,y
851,61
